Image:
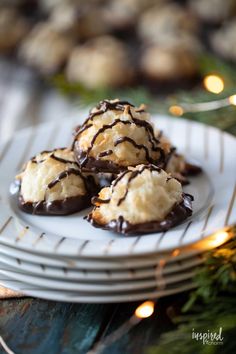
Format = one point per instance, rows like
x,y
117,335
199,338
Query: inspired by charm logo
x,y
209,337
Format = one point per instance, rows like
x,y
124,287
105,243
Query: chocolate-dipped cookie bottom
x,y
65,206
179,213
191,169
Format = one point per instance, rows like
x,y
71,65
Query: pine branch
x,y
211,306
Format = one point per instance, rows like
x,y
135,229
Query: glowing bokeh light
x,y
232,100
176,252
145,310
161,263
218,239
176,110
213,83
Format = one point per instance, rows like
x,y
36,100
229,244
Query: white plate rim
x,y
101,275
46,294
114,287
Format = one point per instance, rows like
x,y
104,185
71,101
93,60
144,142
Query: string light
x,y
176,252
218,239
178,110
145,310
213,83
232,100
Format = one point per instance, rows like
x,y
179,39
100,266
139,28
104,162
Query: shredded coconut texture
x,y
44,169
151,196
124,153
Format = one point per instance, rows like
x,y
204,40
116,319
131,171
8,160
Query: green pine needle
x,y
211,306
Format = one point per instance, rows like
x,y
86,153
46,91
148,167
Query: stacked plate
x,y
66,259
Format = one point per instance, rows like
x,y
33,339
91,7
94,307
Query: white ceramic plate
x,y
96,287
98,275
67,296
104,264
214,193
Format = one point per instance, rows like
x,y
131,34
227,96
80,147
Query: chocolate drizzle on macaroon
x,y
178,214
63,206
96,164
180,210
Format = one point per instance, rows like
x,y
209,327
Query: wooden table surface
x,y
33,326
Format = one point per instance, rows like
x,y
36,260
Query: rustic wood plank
x,y
37,326
146,333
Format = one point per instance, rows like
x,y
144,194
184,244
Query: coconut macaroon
x,y
213,11
181,169
168,64
116,135
175,163
45,49
169,51
82,20
13,27
223,41
52,184
158,24
140,200
124,14
100,62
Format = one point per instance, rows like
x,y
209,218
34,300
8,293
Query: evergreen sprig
x,y
211,306
88,97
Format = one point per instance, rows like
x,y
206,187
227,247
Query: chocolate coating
x,y
71,202
57,207
179,213
191,169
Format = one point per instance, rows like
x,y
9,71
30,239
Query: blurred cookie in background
x,y
100,62
213,11
168,64
13,27
48,5
223,41
82,20
45,49
159,23
124,14
182,40
170,43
